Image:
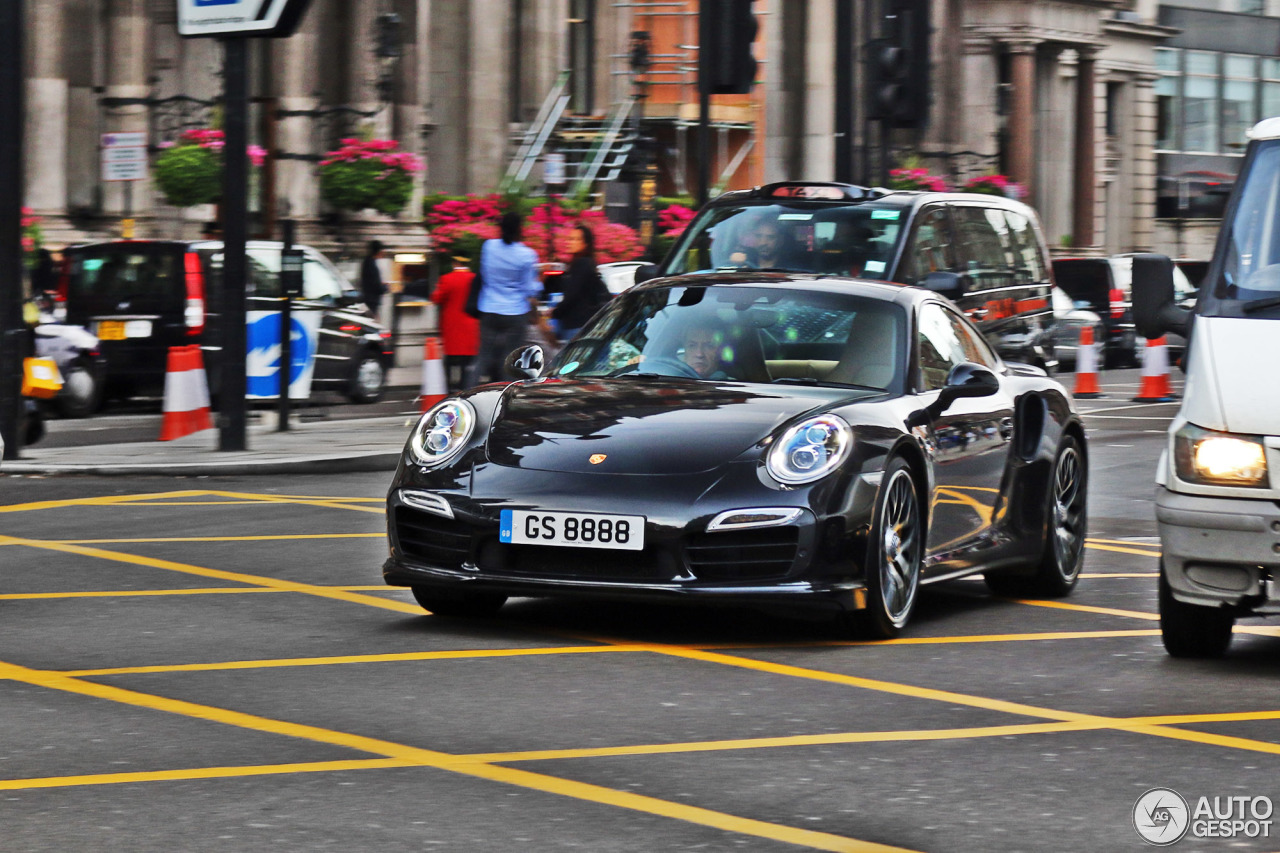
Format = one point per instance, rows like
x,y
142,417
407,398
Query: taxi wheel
x,y
368,379
458,604
895,554
81,393
1192,631
1059,567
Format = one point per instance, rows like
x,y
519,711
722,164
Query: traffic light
x,y
388,36
897,87
726,31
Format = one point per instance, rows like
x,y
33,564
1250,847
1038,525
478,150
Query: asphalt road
x,y
213,665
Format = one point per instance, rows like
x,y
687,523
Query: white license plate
x,y
137,328
572,529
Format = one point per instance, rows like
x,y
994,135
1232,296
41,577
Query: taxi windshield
x,y
780,335
846,240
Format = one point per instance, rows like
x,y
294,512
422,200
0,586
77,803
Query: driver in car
x,y
703,348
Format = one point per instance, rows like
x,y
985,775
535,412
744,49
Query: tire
x,y
458,604
368,379
1192,631
895,554
81,393
1066,515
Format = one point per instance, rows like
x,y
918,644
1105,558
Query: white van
x,y
1218,483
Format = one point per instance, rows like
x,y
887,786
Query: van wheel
x,y
1192,631
368,380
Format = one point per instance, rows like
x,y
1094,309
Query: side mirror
x,y
1155,309
965,380
952,285
349,298
646,272
526,363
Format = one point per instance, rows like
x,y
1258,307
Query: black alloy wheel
x,y
1066,513
895,555
368,379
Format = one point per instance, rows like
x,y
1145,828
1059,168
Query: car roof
x,y
901,294
807,192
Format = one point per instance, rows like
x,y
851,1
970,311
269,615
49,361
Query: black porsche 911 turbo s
x,y
750,438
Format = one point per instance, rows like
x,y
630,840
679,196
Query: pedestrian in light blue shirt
x,y
508,269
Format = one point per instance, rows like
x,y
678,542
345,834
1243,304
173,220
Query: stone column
x,y
976,122
128,40
1085,161
1142,148
295,70
1022,78
363,67
46,109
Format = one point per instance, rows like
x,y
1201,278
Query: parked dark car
x,y
984,252
1106,284
1069,320
142,297
753,438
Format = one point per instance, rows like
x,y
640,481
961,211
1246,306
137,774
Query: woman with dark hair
x,y
508,269
584,290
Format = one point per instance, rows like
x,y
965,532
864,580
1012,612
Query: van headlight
x,y
442,432
1219,459
810,450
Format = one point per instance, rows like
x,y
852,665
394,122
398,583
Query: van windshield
x,y
853,240
1251,266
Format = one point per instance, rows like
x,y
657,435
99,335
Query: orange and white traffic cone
x,y
434,385
186,394
1155,373
1087,366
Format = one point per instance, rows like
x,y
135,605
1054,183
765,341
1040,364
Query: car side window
x,y
1029,266
929,247
983,245
945,341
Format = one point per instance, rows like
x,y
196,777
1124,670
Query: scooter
x,y
75,350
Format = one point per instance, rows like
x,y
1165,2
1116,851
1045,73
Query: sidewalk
x,y
308,447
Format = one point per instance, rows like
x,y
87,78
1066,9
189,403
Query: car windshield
x,y
1251,268
848,240
738,333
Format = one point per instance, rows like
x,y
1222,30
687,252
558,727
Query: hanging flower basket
x,y
995,185
368,173
189,171
32,237
916,179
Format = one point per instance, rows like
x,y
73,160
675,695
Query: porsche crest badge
x,y
597,458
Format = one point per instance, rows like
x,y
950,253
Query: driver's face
x,y
767,241
702,351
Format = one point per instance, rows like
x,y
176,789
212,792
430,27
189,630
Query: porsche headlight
x,y
1219,459
442,432
810,450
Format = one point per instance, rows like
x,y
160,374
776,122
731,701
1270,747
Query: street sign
x,y
239,17
124,156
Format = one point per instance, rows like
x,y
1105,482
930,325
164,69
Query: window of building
x,y
1200,98
582,39
1239,99
1168,102
1270,87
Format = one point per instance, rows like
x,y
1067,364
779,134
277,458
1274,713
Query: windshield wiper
x,y
1261,304
809,380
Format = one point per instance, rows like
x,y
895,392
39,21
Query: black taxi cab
x,y
985,252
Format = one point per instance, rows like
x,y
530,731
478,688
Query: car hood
x,y
641,425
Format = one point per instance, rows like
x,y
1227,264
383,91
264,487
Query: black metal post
x,y
234,230
12,330
288,278
705,24
844,92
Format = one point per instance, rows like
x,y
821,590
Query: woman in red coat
x,y
460,330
